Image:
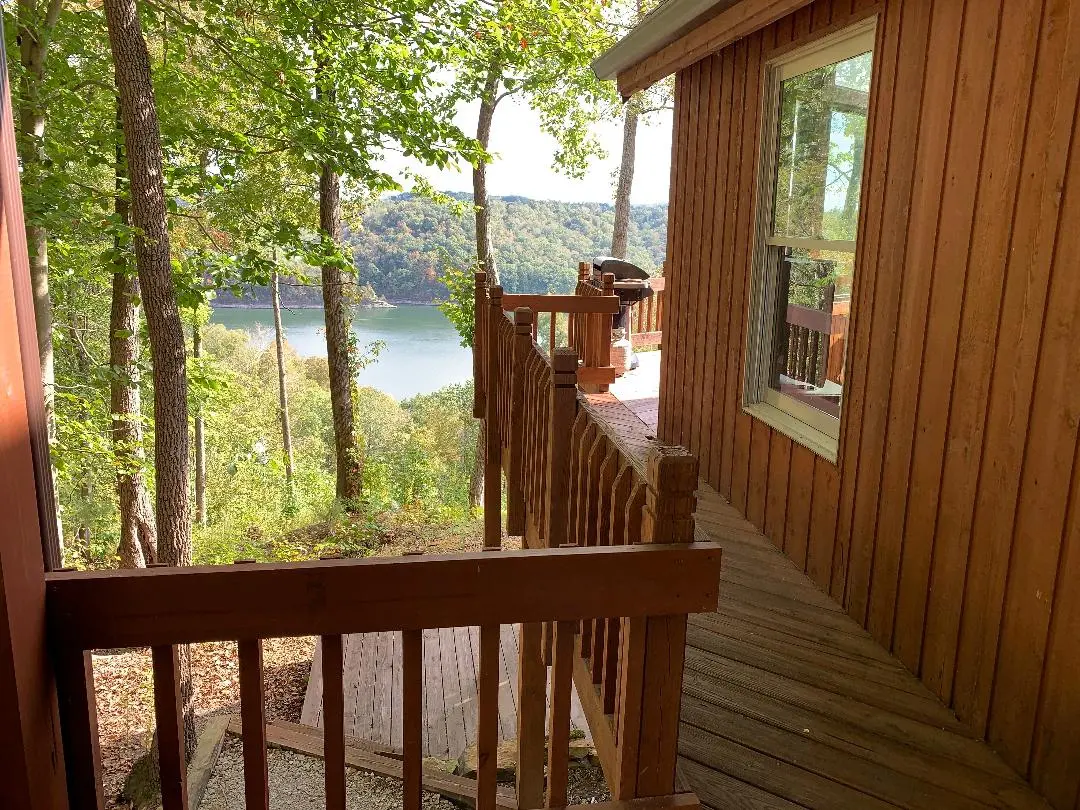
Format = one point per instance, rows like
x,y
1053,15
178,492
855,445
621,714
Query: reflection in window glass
x,y
822,133
812,327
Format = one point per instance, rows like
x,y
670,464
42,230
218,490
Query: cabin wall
x,y
949,526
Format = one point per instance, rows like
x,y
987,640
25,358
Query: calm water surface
x,y
422,354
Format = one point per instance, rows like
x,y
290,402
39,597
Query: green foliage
x,y
460,304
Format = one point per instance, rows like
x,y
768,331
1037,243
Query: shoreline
x,y
257,305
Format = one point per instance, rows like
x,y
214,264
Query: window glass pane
x,y
814,297
822,136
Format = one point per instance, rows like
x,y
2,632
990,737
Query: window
x,y
814,114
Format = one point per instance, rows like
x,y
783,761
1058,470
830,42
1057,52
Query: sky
x,y
524,155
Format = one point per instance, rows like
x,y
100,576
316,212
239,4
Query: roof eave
x,y
662,26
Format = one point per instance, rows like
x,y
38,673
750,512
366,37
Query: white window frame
x,y
807,425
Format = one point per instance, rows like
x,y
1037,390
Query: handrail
x,y
572,480
163,607
596,305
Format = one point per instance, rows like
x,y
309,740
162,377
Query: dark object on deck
x,y
632,286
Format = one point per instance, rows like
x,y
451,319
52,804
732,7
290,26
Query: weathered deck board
x,y
787,702
372,676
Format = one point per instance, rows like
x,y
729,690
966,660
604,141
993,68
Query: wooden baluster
x,y
170,727
493,456
253,724
333,720
562,673
628,707
551,331
516,419
479,311
532,702
74,674
412,709
487,721
603,339
603,538
620,496
667,517
561,414
594,454
574,507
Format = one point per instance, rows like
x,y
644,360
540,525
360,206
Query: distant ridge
x,y
406,240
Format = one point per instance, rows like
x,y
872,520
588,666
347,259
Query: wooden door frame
x,y
32,773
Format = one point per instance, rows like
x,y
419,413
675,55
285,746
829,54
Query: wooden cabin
x,y
874,325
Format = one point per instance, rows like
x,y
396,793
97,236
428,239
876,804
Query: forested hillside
x,y
405,241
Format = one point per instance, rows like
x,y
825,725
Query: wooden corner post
x,y
478,361
564,363
515,473
492,440
668,517
603,332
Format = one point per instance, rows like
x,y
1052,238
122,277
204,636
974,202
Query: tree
x,y
142,141
37,20
658,97
138,532
542,53
283,390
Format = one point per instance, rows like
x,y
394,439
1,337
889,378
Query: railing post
x,y
515,489
564,363
603,332
668,517
479,314
493,443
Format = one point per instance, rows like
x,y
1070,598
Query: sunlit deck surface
x,y
787,702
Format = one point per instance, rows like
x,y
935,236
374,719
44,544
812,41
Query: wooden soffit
x,y
730,25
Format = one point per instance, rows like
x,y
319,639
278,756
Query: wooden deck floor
x,y
372,679
787,702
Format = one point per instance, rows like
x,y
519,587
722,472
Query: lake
x,y
422,353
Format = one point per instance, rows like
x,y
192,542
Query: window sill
x,y
814,440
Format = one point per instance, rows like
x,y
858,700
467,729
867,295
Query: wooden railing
x,y
571,481
647,316
162,607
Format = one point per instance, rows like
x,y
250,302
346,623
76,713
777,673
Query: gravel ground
x,y
296,781
587,785
125,697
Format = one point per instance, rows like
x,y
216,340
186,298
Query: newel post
x,y
479,313
493,440
603,332
564,363
515,473
654,648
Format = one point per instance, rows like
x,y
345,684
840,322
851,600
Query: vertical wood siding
x,y
950,524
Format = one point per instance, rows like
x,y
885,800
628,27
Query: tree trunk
x,y
142,137
476,478
35,29
283,392
338,320
620,233
485,253
138,534
200,437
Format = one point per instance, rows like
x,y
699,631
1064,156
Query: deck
x,y
373,697
787,702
